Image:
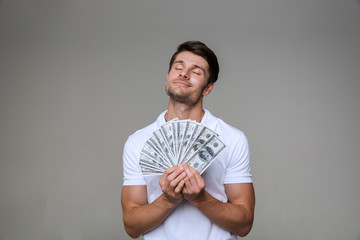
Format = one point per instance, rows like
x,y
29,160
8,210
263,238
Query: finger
x,y
169,184
180,186
174,183
190,175
199,179
187,186
197,175
170,170
174,172
169,175
163,182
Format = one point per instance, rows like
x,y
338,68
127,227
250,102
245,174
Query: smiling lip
x,y
182,83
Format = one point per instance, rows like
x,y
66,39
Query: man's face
x,y
206,156
187,79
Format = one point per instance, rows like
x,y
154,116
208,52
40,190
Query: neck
x,y
183,111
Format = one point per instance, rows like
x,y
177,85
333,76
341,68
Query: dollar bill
x,y
180,141
152,153
181,130
194,130
206,154
205,135
188,133
163,145
150,171
168,133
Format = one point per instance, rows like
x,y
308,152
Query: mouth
x,y
182,83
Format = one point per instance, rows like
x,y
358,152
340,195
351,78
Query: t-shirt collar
x,y
207,119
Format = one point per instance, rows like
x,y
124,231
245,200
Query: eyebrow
x,y
195,65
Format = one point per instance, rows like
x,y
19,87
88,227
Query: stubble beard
x,y
188,98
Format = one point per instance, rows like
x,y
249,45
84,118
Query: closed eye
x,y
179,67
197,71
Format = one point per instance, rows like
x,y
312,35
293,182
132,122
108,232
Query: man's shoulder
x,y
222,127
226,127
229,134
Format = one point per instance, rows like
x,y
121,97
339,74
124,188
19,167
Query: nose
x,y
184,74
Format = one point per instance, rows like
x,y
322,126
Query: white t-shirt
x,y
232,165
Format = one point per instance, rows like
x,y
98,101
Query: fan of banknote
x,y
180,141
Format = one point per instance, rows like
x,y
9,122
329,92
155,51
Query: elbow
x,y
246,225
132,233
131,229
245,230
134,236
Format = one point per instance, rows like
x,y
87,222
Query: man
x,y
182,204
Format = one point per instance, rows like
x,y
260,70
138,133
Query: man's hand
x,y
141,217
194,185
236,215
172,182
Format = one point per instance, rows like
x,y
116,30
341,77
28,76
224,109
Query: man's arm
x,y
139,216
235,216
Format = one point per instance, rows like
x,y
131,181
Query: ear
x,y
208,89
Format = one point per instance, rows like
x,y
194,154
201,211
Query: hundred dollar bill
x,y
150,171
194,130
206,154
167,131
184,144
181,130
157,146
205,135
151,164
164,146
176,140
150,151
179,141
144,165
153,161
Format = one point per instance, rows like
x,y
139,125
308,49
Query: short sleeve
x,y
238,168
131,170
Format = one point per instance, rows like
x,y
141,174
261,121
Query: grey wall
x,y
77,77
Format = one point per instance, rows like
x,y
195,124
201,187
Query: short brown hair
x,y
202,50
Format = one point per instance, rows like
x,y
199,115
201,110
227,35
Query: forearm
x,y
235,218
143,218
139,216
